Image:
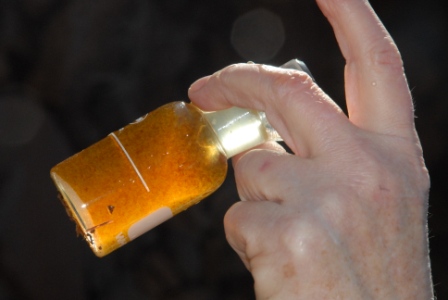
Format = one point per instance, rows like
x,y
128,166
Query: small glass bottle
x,y
163,163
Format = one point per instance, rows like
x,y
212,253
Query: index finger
x,y
305,117
378,96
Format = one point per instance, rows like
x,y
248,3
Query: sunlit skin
x,y
345,215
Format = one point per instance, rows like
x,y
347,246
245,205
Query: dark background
x,y
71,71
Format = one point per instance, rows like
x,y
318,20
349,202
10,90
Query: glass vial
x,y
143,174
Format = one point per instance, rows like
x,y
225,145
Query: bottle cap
x,y
239,129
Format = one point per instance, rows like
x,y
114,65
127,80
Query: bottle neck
x,y
240,129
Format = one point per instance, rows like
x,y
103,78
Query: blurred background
x,y
73,71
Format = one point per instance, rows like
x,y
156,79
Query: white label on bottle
x,y
149,222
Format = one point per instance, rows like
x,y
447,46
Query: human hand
x,y
344,217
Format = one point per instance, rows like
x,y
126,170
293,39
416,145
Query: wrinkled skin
x,y
345,215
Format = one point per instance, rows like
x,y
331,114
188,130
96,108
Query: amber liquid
x,y
169,159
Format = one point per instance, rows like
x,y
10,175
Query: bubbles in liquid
x,y
135,172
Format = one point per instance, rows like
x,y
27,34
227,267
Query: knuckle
x,y
255,165
287,85
224,76
231,217
300,234
384,53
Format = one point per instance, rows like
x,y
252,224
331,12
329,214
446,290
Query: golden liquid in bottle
x,y
163,162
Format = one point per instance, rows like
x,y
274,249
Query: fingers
x,y
266,175
245,224
378,97
306,118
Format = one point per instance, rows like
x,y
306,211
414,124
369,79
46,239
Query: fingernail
x,y
198,84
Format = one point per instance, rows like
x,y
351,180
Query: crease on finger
x,y
264,175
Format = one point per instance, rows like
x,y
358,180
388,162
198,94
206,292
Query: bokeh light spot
x,y
258,35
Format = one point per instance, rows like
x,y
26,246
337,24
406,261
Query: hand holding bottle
x,y
345,215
